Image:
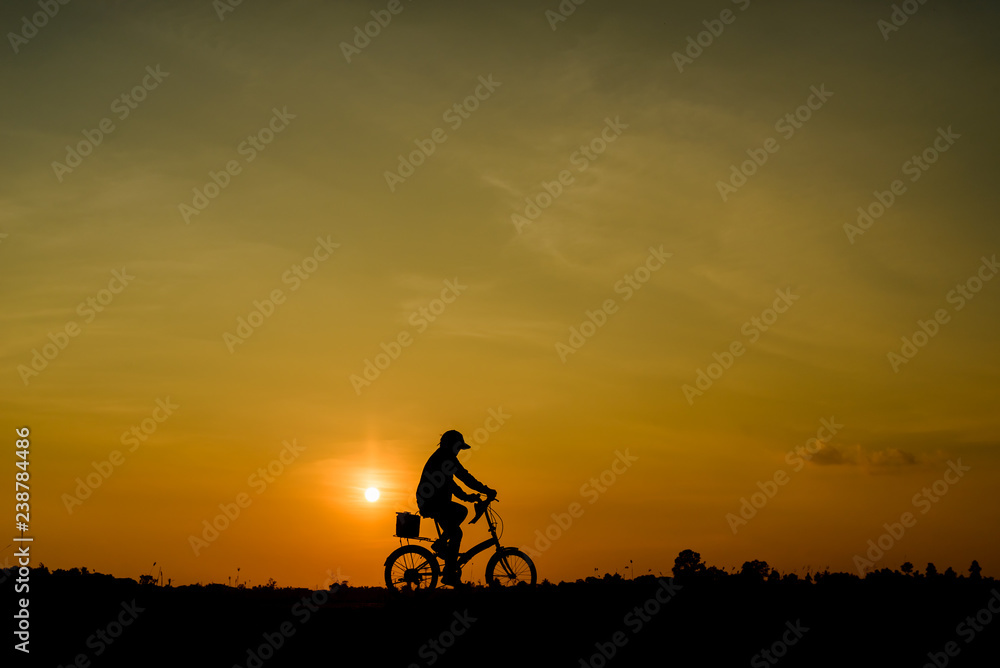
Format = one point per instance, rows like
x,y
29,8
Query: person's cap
x,y
449,437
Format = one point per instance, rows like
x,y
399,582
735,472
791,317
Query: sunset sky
x,y
597,164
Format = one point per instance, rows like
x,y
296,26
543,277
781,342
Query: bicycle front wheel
x,y
510,567
411,567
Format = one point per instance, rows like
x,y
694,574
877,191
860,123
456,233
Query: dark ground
x,y
888,620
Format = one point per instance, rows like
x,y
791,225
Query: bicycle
x,y
415,567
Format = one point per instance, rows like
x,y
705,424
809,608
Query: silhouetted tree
x,y
975,570
950,573
931,570
757,570
907,568
688,564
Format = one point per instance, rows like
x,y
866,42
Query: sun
x,y
371,494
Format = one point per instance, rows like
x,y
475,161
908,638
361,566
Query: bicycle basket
x,y
407,525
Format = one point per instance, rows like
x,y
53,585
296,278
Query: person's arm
x,y
462,494
470,481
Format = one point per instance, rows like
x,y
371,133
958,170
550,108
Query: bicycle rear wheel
x,y
411,567
510,567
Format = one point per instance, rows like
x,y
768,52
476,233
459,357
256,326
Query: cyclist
x,y
434,492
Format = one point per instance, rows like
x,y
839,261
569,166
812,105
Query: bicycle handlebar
x,y
481,505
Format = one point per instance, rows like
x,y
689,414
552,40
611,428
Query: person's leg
x,y
440,545
451,519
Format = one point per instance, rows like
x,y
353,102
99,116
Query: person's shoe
x,y
439,545
451,579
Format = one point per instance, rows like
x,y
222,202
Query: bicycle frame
x,y
418,567
468,555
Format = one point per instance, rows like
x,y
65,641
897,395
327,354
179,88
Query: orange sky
x,y
570,240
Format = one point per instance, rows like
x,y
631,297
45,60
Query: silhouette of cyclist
x,y
434,492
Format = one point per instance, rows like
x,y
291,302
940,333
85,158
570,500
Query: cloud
x,y
855,455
